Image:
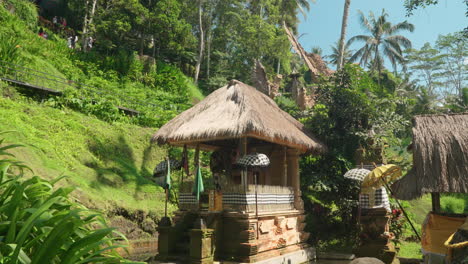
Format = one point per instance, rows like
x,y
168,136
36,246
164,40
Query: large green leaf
x,y
84,245
48,250
23,233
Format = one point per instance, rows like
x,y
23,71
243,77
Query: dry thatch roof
x,y
440,157
234,111
319,64
313,61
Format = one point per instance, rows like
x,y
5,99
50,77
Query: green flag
x,y
198,186
167,179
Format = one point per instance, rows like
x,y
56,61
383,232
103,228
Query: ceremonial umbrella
x,y
357,174
161,168
381,175
254,160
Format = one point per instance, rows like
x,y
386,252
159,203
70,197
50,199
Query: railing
x,y
238,198
54,84
266,198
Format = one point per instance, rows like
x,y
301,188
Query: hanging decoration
x,y
198,187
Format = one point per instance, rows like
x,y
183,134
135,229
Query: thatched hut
x,y
440,165
252,220
440,157
236,111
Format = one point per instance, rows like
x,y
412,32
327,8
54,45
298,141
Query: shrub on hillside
x,y
25,10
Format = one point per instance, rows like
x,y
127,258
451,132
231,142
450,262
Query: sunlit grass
x,y
109,164
410,250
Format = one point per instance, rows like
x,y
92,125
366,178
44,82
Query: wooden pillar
x,y
243,151
285,173
435,202
293,174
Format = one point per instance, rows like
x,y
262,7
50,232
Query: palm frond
x,y
402,41
394,44
364,21
402,26
362,38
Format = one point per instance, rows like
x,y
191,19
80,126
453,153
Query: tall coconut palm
x,y
334,58
381,42
344,25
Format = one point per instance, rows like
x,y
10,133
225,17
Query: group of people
x,y
59,22
43,34
73,39
59,25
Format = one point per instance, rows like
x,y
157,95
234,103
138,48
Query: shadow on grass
x,y
118,164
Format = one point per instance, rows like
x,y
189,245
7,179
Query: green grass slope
x,y
154,88
109,164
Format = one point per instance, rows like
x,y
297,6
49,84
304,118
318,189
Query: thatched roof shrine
x,y
440,157
235,111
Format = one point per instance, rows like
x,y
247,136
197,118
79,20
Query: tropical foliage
x,y
41,224
382,41
147,51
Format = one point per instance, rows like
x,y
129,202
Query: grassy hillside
x,y
156,89
105,154
109,164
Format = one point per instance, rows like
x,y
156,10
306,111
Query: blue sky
x,y
322,26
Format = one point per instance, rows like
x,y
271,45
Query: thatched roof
x,y
440,157
319,64
234,111
313,61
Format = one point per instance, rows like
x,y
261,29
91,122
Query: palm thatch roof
x,y
320,64
440,157
313,61
234,111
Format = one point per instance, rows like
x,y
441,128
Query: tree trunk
x,y
154,48
202,42
208,53
209,38
278,67
377,63
344,25
142,42
87,23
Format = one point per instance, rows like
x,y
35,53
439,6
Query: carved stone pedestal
x,y
373,241
201,246
166,242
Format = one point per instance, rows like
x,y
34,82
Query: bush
x,y
40,224
454,203
25,10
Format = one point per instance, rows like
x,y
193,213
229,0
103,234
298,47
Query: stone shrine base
x,y
301,256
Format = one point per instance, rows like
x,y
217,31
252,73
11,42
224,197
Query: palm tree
x,y
381,42
334,58
426,101
289,10
316,50
344,25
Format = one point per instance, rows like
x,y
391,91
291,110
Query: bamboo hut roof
x,y
234,111
440,157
